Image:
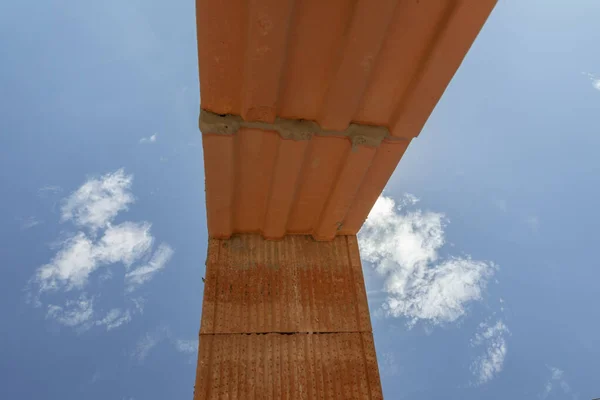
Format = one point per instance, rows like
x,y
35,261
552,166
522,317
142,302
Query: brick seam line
x,y
295,129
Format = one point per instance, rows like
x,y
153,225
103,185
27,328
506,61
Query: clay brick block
x,y
294,285
296,366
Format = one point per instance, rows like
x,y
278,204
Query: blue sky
x,y
484,287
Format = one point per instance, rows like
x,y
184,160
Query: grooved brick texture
x,y
380,63
259,182
375,62
285,320
293,285
299,366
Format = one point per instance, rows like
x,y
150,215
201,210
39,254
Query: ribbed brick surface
x,y
376,62
292,285
298,366
259,182
285,320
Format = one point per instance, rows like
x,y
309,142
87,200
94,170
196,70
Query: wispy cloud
x,y
491,362
186,346
148,342
594,79
149,139
74,313
29,222
99,244
49,190
403,246
144,273
388,365
557,383
115,318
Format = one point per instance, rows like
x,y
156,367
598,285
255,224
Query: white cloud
x,y
98,201
124,247
150,139
144,273
557,383
491,362
403,246
595,80
125,243
186,346
80,255
70,267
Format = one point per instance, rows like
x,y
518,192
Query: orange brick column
x,y
285,319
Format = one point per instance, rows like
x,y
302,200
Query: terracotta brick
x,y
382,167
297,366
295,285
454,35
259,182
384,62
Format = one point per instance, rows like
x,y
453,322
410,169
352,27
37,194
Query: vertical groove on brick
x,y
321,168
219,187
394,70
356,63
381,169
318,31
348,182
454,36
266,49
220,61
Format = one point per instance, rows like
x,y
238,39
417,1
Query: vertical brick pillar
x,y
285,319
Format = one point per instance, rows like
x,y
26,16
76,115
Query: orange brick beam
x,y
292,177
285,320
